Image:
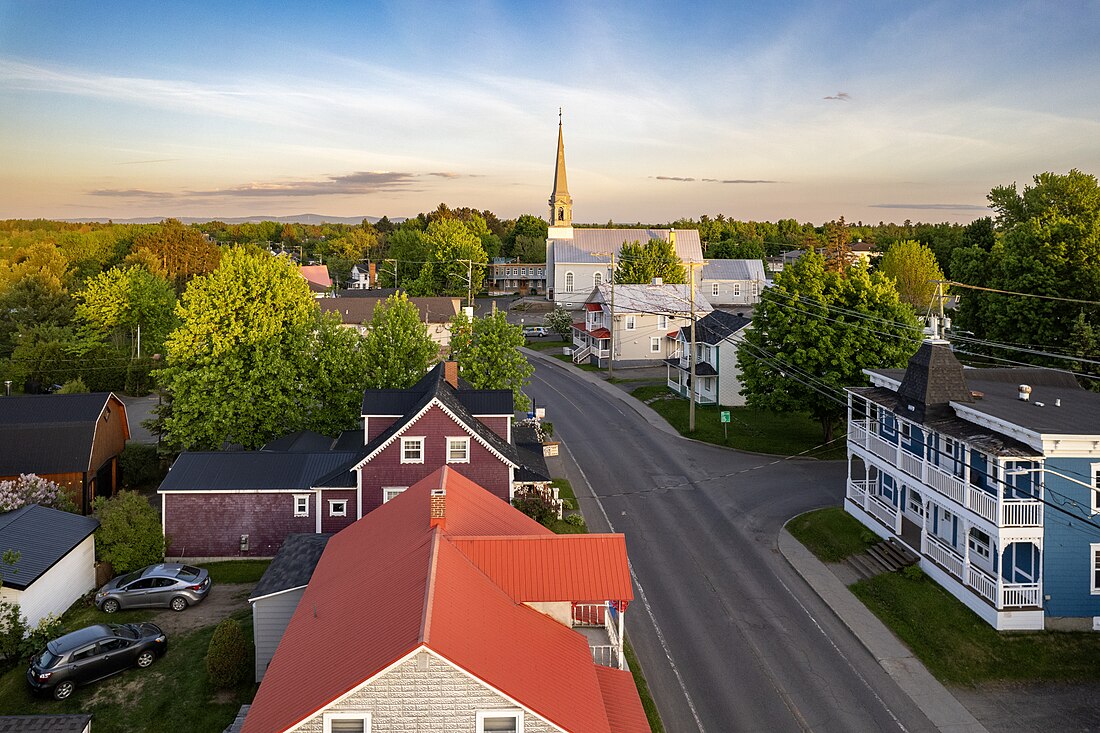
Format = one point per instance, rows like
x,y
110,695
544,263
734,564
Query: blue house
x,y
992,476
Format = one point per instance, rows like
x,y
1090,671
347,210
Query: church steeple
x,y
561,203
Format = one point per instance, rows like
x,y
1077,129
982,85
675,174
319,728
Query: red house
x,y
244,503
465,615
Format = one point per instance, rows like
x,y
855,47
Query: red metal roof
x,y
414,587
569,567
601,333
317,274
673,334
593,307
624,710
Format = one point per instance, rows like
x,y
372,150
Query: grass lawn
x,y
175,689
750,429
959,648
831,533
560,526
547,344
236,571
650,707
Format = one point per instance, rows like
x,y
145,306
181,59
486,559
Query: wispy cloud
x,y
932,207
131,193
839,97
143,162
673,178
686,179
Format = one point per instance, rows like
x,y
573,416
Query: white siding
x,y
729,373
59,587
270,617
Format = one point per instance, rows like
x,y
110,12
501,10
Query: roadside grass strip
x,y
831,533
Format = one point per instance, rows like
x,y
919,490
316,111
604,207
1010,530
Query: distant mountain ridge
x,y
292,219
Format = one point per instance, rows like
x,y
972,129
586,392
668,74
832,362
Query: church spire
x,y
561,203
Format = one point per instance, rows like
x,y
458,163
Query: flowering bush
x,y
31,489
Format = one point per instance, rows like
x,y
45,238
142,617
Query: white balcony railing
x,y
885,513
1021,594
911,464
996,591
934,548
984,583
605,655
944,483
883,449
983,504
857,490
857,432
1022,513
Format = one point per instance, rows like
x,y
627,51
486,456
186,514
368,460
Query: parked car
x,y
532,331
92,653
167,585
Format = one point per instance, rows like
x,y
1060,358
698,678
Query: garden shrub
x,y
140,466
129,535
228,660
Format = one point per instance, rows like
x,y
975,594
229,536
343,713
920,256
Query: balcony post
x,y
619,640
966,553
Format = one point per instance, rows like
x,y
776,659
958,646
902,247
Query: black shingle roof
x,y
293,565
303,441
45,723
258,470
41,536
401,401
933,378
529,448
715,326
48,434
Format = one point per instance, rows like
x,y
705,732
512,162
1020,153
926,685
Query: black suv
x,y
92,653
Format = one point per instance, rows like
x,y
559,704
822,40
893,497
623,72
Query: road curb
x,y
934,700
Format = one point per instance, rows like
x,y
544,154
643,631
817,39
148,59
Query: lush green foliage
x,y
1048,245
123,302
73,386
182,252
641,263
449,242
914,268
560,321
129,535
488,355
396,329
140,466
815,332
17,640
228,657
539,505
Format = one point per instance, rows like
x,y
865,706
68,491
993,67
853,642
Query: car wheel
x,y
63,690
110,605
179,603
145,659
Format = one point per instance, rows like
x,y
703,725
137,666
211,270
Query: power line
x,y
1022,295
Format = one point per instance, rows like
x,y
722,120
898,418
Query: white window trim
x,y
301,500
631,323
409,442
1094,558
569,281
597,278
655,344
714,289
662,322
737,289
394,490
329,717
510,713
332,507
466,440
1094,494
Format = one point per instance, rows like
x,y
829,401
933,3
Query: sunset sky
x,y
874,111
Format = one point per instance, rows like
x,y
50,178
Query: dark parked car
x,y
167,585
92,653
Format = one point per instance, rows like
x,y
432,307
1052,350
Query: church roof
x,y
561,186
586,242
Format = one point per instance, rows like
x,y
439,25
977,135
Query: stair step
x,y
864,566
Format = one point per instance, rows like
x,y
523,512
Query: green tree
x,y
815,332
450,242
397,348
29,302
530,249
118,302
337,378
409,248
915,271
488,355
183,252
1047,244
641,263
228,656
560,321
129,535
237,368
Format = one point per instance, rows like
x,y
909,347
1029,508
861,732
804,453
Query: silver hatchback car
x,y
167,585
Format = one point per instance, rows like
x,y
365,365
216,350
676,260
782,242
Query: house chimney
x,y
450,373
439,508
1024,392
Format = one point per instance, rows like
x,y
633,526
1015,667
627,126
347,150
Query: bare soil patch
x,y
222,602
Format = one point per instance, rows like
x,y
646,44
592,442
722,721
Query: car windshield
x,y
188,573
46,659
127,631
129,578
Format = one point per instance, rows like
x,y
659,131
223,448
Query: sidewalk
x,y
934,700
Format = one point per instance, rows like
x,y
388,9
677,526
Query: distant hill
x,y
293,219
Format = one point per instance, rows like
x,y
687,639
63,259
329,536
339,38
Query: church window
x,y
597,278
569,282
561,214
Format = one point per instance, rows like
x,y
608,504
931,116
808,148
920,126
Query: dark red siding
x,y
386,469
210,525
498,425
335,524
377,425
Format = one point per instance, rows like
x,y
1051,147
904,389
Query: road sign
x,y
725,415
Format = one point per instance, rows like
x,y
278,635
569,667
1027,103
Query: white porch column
x,y
622,612
966,553
999,473
966,475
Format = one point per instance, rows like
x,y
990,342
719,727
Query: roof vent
x,y
1024,392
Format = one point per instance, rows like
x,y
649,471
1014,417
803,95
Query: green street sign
x,y
725,415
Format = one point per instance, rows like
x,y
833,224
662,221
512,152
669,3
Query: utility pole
x,y
469,282
396,283
611,330
691,355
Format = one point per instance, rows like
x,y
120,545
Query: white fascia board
x,y
276,593
237,491
1012,430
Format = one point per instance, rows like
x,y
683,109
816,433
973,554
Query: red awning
x,y
593,307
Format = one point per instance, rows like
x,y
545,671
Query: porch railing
x,y
942,554
996,591
581,354
1021,594
857,490
911,464
984,583
605,655
885,513
1022,513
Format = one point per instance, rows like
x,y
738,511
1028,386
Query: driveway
x,y
223,601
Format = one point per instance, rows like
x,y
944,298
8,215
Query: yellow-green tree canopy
x,y
915,271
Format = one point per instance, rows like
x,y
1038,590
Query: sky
x,y
875,111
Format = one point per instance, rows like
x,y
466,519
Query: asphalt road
x,y
729,636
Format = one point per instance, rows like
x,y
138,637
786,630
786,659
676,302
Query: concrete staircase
x,y
888,556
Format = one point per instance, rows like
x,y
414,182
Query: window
x,y
489,721
523,271
412,450
905,428
301,505
569,282
112,645
1094,550
389,493
1095,488
597,278
655,344
662,322
337,507
88,652
458,450
979,543
737,290
631,323
714,289
755,289
916,504
347,723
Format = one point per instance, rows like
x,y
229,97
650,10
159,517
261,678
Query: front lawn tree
x,y
397,349
560,321
815,332
488,355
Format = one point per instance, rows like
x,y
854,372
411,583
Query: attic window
x,y
347,723
496,721
107,415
